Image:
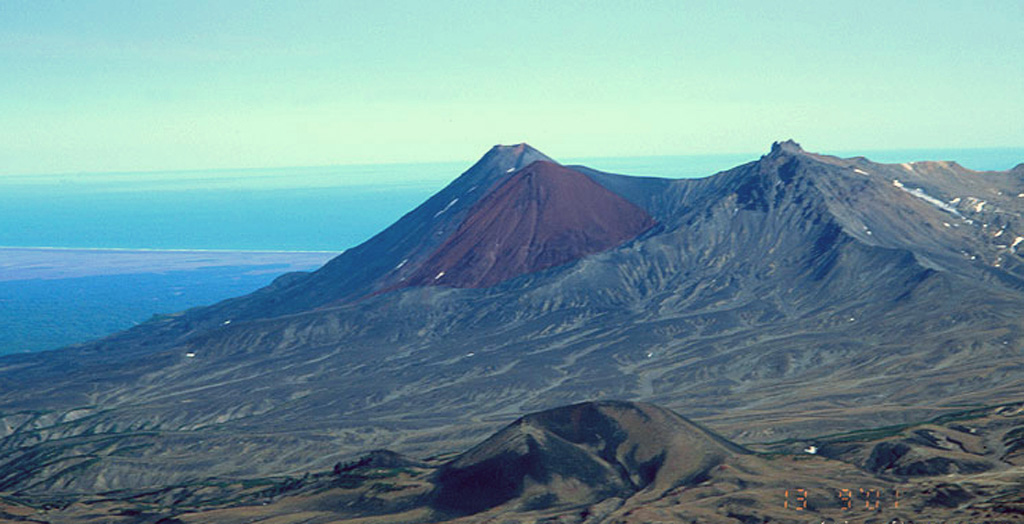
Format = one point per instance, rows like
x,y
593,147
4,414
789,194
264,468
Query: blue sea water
x,y
43,314
310,208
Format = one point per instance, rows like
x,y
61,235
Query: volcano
x,y
792,295
544,215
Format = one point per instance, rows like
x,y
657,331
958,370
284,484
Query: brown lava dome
x,y
543,216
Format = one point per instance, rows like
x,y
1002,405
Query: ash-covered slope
x,y
544,215
795,294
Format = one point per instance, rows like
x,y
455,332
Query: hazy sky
x,y
146,85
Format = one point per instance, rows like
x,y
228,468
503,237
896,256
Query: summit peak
x,y
519,149
520,145
516,156
786,146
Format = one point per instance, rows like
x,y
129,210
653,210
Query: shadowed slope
x,y
543,216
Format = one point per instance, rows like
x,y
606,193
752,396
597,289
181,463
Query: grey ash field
x,y
792,297
616,462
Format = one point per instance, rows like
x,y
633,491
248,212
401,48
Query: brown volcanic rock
x,y
581,454
543,216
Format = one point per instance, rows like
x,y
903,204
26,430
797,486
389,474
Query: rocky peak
x,y
512,157
786,147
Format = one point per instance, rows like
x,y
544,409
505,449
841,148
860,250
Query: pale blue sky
x,y
130,86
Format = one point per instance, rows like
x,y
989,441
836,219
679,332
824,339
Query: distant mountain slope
x,y
792,295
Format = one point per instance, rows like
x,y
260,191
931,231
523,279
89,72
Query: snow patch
x,y
509,170
908,167
1018,240
812,450
226,322
402,263
860,171
446,208
1000,233
439,275
1020,195
979,206
919,193
190,355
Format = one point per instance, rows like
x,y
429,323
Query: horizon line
x,y
171,250
858,152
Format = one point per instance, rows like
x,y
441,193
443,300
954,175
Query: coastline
x,y
54,263
161,250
